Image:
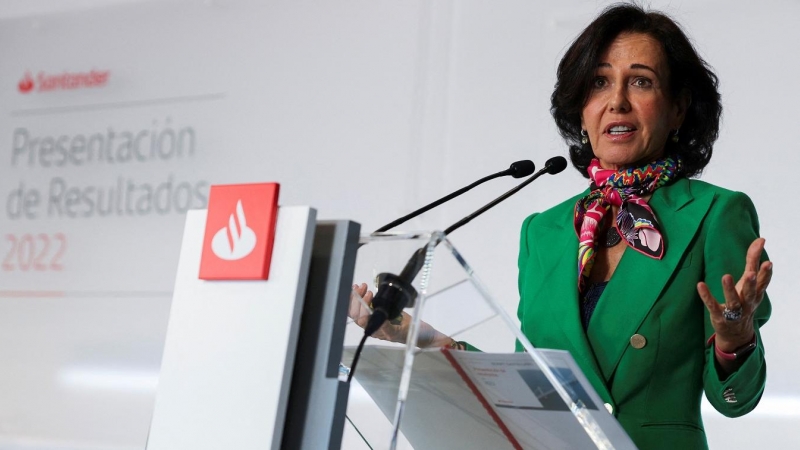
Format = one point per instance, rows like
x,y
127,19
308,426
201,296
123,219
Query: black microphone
x,y
518,169
396,293
553,166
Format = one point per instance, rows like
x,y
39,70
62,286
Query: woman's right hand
x,y
392,330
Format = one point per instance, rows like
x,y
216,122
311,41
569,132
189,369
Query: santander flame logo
x,y
26,83
236,240
236,247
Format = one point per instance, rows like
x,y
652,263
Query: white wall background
x,y
365,110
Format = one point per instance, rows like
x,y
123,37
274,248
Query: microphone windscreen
x,y
556,165
523,168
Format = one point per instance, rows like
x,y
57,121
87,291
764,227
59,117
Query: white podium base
x,y
230,346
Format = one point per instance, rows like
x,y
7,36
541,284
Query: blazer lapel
x,y
639,280
559,242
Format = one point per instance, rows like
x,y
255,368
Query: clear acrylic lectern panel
x,y
405,397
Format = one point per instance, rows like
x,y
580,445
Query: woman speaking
x,y
634,275
636,271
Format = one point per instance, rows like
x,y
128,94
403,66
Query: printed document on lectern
x,y
486,400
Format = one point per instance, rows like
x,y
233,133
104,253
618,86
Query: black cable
x,y
355,358
358,431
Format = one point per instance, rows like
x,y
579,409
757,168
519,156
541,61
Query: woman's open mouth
x,y
619,131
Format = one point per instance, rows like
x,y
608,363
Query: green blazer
x,y
654,391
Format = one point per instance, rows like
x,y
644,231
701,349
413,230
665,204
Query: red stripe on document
x,y
481,398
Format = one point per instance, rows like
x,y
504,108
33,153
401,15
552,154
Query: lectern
x,y
263,363
490,396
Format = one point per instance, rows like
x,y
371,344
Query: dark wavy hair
x,y
687,72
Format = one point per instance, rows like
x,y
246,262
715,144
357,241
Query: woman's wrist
x,y
732,352
441,340
731,345
430,337
728,362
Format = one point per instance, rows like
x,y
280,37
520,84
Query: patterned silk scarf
x,y
635,221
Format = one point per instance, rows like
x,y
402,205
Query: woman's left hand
x,y
746,295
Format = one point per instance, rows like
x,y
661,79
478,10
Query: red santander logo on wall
x,y
48,82
26,83
240,231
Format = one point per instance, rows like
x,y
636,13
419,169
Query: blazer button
x,y
638,341
609,408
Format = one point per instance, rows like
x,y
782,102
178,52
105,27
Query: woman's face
x,y
629,114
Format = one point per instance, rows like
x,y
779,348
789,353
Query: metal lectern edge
x,y
317,400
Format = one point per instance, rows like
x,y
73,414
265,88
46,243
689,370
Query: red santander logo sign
x,y
48,82
240,232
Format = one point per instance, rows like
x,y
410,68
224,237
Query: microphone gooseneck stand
x,y
395,292
518,169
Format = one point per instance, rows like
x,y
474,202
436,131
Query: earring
x,y
675,138
584,137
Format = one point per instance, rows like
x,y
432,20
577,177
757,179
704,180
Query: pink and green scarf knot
x,y
635,222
